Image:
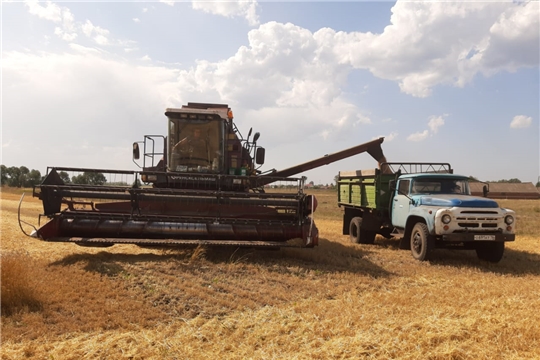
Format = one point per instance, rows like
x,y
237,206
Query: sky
x,y
452,82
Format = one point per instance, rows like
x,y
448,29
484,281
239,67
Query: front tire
x,y
357,235
490,251
422,244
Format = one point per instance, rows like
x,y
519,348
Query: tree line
x,y
23,177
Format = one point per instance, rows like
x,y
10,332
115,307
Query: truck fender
x,y
423,213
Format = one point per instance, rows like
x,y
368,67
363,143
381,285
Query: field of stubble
x,y
337,301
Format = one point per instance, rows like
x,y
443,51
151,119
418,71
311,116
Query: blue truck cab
x,y
426,206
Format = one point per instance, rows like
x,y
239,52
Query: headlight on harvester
x,y
446,219
509,219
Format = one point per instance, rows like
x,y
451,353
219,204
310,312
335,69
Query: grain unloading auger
x,y
202,187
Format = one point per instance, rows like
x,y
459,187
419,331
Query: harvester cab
x,y
199,185
202,143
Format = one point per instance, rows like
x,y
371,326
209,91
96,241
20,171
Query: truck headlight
x,y
509,219
446,219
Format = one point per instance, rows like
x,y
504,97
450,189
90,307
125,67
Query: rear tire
x,y
422,244
357,235
490,251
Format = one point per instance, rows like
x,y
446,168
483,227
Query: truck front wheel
x,y
490,251
357,235
422,243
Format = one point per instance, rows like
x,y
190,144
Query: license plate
x,y
484,237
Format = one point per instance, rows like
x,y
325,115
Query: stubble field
x,y
337,301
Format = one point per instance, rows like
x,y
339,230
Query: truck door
x,y
401,204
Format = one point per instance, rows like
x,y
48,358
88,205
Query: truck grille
x,y
479,220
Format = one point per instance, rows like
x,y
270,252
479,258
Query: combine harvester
x,y
201,187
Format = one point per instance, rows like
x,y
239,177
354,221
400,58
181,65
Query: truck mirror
x,y
256,136
136,152
259,155
392,185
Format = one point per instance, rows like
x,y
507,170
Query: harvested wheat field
x,y
337,301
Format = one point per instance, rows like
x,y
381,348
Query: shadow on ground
x,y
329,256
514,262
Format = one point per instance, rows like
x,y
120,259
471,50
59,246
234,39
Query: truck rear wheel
x,y
490,251
422,244
357,235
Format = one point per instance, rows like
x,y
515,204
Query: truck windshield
x,y
440,186
194,146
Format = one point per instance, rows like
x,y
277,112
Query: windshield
x,y
194,146
440,186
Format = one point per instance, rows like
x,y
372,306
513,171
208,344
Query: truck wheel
x,y
422,243
357,235
490,251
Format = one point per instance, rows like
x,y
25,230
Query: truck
x,y
200,184
425,206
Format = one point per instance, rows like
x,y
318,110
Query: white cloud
x,y
64,86
50,11
245,9
521,121
391,137
419,136
98,34
435,123
387,138
514,38
62,34
419,51
167,2
137,20
84,50
295,67
68,29
59,15
130,49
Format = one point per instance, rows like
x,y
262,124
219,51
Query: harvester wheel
x,y
357,235
490,251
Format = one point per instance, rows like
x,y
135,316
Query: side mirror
x,y
256,136
392,185
136,152
259,155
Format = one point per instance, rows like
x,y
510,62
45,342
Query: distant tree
x,y
32,178
90,178
15,176
473,179
3,175
538,184
64,176
513,181
19,176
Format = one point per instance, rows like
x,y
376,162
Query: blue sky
x,y
453,82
